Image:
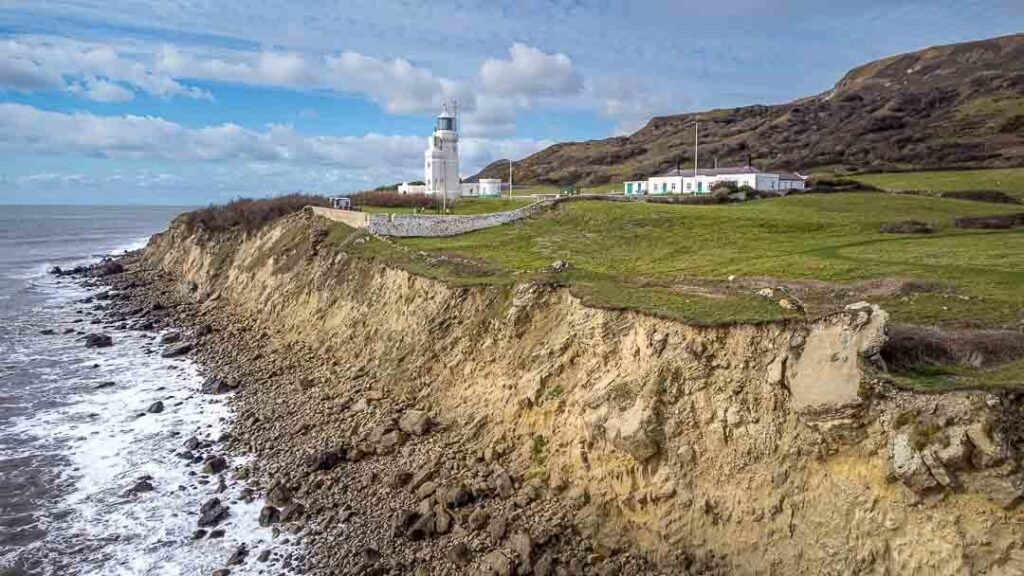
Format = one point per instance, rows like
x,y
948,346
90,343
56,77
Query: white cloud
x,y
372,158
100,90
37,63
530,72
631,102
398,86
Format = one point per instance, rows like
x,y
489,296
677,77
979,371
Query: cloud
x,y
100,90
43,63
631,101
530,72
276,150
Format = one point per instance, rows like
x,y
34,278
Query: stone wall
x,y
422,225
417,225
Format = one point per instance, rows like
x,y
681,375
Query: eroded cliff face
x,y
776,447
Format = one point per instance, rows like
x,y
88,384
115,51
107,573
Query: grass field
x,y
1009,180
826,249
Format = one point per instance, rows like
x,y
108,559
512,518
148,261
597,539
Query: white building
x,y
483,188
680,181
406,188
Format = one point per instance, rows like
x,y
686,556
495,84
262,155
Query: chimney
x,y
748,160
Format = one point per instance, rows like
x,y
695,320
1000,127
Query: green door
x,y
629,187
700,187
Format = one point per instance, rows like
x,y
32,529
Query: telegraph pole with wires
x,y
510,178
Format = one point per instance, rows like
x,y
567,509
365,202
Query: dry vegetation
x,y
388,199
248,214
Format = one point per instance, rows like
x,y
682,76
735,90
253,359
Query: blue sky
x,y
184,102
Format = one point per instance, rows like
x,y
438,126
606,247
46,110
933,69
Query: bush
x,y
248,214
915,347
837,185
385,199
994,196
907,227
999,222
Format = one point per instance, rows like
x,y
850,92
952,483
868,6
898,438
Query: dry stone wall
x,y
413,225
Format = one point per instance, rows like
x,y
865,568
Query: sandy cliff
x,y
773,448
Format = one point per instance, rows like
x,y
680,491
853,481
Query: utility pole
x,y
510,178
695,127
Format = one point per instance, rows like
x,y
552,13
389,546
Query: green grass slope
x,y
1009,180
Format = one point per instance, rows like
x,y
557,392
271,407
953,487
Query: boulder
x,y
497,527
212,512
269,515
478,519
986,453
522,545
108,267
956,454
215,386
98,341
156,407
503,484
455,497
402,522
460,554
415,422
143,484
635,431
292,512
909,466
175,350
939,471
497,563
215,465
238,556
325,460
279,495
192,443
390,441
170,338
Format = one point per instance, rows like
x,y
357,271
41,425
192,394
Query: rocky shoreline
x,y
355,480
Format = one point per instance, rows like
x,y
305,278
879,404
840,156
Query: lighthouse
x,y
441,160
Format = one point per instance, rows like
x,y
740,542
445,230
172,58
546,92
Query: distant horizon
x,y
111,102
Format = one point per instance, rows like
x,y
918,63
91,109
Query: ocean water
x,y
68,449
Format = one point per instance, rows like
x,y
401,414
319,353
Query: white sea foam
x,y
110,441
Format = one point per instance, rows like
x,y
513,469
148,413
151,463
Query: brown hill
x,y
958,105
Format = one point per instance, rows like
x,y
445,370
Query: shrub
x,y
385,199
907,227
248,214
994,196
916,347
998,222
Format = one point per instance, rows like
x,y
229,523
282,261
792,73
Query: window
x,y
673,186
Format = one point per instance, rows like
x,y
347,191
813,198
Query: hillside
x,y
957,105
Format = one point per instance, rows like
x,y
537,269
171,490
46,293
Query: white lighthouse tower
x,y
441,160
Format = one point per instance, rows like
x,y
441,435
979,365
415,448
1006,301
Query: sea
x,y
74,432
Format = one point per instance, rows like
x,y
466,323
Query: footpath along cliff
x,y
436,429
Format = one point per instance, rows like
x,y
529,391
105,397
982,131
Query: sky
x,y
197,101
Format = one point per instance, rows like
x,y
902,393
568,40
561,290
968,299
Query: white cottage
x,y
681,181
